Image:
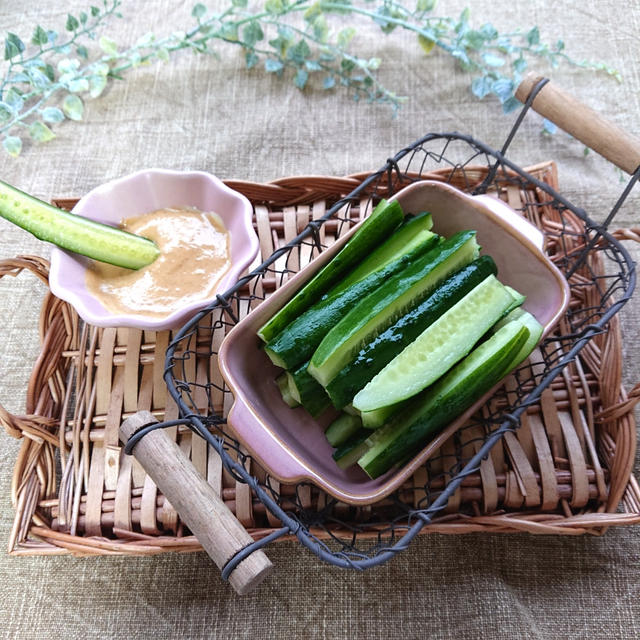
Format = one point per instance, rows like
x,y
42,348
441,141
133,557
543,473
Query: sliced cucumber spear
x,y
75,233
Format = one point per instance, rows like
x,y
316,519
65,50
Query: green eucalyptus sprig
x,y
48,79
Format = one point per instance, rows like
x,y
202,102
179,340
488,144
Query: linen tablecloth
x,y
211,113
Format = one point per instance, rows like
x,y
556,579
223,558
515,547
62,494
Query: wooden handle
x,y
199,506
582,123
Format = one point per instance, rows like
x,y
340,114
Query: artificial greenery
x,y
49,78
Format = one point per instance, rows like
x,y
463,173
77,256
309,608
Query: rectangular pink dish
x,y
289,443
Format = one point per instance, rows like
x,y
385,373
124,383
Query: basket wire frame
x,y
357,537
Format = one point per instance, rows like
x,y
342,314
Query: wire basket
x,y
601,276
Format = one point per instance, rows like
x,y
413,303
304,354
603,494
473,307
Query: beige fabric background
x,y
210,113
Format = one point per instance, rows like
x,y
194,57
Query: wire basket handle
x,y
200,507
572,116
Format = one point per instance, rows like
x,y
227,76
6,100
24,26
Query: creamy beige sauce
x,y
194,255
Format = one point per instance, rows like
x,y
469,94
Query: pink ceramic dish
x,y
140,193
288,442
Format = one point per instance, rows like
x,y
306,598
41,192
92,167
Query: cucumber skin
x,y
382,221
487,301
379,352
439,405
300,339
342,429
411,230
330,353
311,395
75,233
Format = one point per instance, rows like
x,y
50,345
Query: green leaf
x,y
78,85
492,60
274,6
475,39
39,80
6,112
108,46
68,65
520,65
301,78
83,17
229,31
95,12
12,145
503,88
39,37
426,44
426,5
511,104
252,33
73,107
14,100
40,132
52,114
82,51
251,59
489,31
312,65
273,66
240,3
72,23
329,82
198,11
163,54
321,28
13,46
299,52
481,86
97,85
533,37
345,36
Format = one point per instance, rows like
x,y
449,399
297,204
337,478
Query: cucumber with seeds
x,y
75,233
386,217
300,339
442,403
388,344
437,348
382,307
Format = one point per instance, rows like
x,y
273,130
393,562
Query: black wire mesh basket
x,y
362,537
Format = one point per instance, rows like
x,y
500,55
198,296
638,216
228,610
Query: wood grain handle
x,y
582,123
197,503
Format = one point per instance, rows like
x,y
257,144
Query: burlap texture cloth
x,y
207,112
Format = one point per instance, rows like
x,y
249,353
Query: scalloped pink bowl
x,y
140,193
289,443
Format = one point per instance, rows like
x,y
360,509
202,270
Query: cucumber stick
x,y
412,232
388,344
283,385
382,307
306,390
342,429
300,339
75,233
348,453
386,217
437,348
447,399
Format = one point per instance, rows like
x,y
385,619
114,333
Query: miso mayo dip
x,y
194,255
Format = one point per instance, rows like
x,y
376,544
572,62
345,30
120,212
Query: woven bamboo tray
x,y
567,470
